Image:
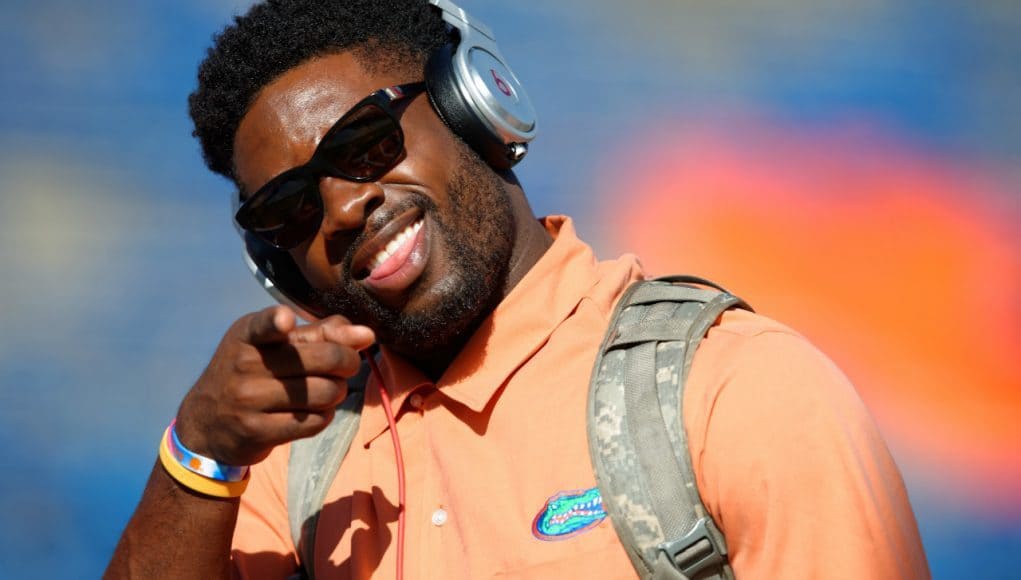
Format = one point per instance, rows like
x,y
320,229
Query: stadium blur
x,y
850,168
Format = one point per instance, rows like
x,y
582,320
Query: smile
x,y
391,261
395,254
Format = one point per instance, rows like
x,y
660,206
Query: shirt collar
x,y
507,338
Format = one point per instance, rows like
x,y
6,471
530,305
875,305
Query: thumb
x,y
270,325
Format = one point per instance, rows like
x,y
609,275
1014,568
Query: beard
x,y
478,232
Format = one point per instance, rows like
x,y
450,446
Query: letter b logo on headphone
x,y
502,84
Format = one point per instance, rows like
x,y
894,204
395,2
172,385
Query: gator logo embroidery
x,y
568,514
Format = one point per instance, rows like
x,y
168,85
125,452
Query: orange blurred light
x,y
893,262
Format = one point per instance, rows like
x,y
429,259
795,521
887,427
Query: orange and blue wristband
x,y
202,465
199,473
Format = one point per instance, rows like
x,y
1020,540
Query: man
x,y
488,321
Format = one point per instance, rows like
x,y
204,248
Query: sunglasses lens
x,y
284,214
366,145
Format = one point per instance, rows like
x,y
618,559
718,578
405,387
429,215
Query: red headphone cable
x,y
401,492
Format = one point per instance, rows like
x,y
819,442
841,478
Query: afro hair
x,y
277,35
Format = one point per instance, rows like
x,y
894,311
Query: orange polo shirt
x,y
787,459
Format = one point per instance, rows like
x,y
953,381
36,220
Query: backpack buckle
x,y
698,550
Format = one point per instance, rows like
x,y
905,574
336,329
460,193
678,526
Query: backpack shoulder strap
x,y
313,465
636,434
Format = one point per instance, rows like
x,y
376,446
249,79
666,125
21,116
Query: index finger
x,y
269,326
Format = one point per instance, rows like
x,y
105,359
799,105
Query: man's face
x,y
421,255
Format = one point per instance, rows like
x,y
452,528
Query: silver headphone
x,y
477,94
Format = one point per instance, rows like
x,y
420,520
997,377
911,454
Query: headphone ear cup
x,y
450,105
277,272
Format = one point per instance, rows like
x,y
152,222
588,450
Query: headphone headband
x,y
455,16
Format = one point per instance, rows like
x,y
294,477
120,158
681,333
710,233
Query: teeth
x,y
398,241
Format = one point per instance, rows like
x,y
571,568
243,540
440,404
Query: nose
x,y
347,204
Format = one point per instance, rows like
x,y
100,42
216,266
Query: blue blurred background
x,y
120,270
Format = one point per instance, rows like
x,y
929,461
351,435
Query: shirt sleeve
x,y
262,546
791,465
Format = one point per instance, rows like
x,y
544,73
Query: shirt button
x,y
439,517
416,400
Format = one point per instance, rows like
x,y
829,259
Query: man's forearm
x,y
175,533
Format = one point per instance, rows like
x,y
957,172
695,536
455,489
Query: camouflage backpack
x,y
637,441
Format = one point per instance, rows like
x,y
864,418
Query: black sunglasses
x,y
362,146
